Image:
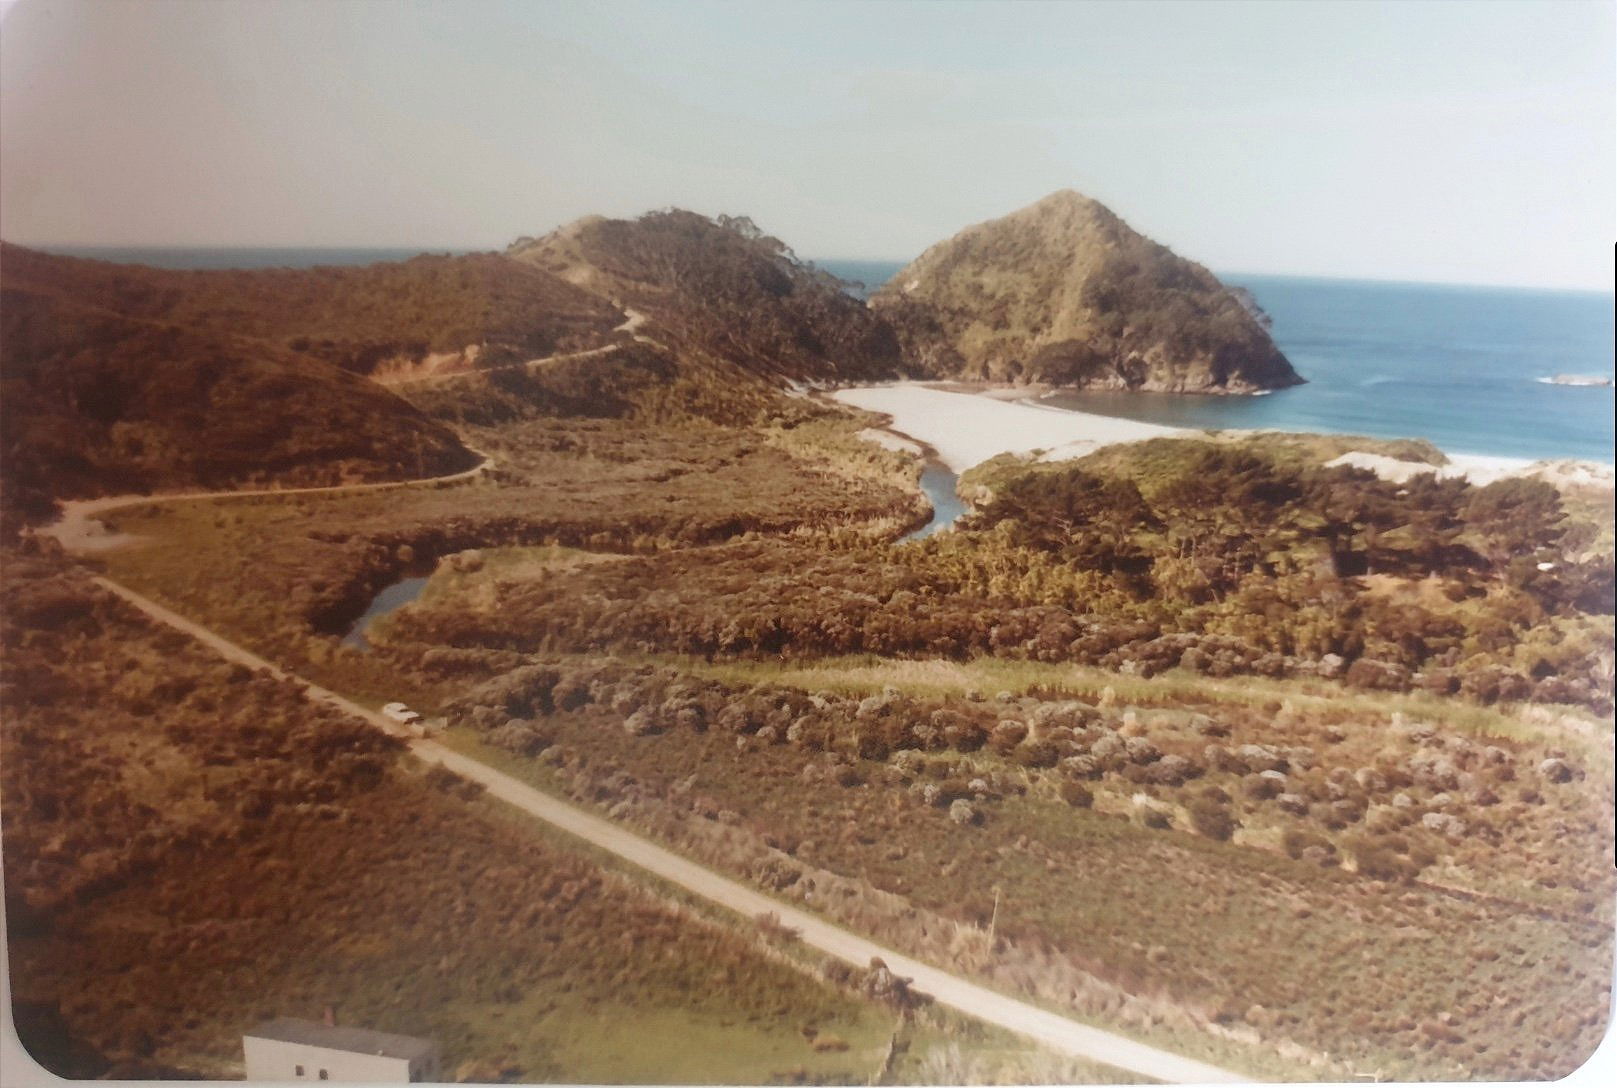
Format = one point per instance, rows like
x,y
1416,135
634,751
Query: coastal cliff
x,y
1065,293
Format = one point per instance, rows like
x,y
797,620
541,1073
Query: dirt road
x,y
79,529
526,364
632,322
1054,1031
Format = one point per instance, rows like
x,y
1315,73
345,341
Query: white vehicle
x,y
398,712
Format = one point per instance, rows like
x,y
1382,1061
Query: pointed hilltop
x,y
723,288
1065,292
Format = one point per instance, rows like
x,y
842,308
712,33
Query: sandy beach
x,y
968,428
1479,469
967,425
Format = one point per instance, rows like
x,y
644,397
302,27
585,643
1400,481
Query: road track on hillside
x,y
1057,1032
73,529
632,322
470,372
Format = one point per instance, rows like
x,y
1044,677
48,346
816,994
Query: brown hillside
x,y
723,287
1065,292
94,403
358,318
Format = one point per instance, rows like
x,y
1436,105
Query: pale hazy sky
x,y
1460,141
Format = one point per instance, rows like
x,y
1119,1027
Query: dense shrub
x,y
1211,819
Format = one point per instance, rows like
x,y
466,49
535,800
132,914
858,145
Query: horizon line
x,y
1603,290
1359,278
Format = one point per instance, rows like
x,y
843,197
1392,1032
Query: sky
x,y
1464,142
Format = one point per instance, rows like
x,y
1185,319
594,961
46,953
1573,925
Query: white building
x,y
294,1050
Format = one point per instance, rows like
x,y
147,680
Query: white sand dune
x,y
1481,469
1475,467
966,429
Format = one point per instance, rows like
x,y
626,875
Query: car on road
x,y
398,712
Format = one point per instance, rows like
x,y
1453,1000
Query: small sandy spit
x,y
888,440
967,428
1474,467
1482,470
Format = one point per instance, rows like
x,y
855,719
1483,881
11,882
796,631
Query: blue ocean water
x,y
1461,366
863,277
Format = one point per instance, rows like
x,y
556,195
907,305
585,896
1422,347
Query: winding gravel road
x,y
1054,1031
79,529
632,321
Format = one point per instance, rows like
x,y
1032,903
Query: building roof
x,y
287,1029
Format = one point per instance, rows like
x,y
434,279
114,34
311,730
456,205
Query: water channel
x,y
936,481
388,599
939,485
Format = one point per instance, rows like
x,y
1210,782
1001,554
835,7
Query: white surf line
x,y
1051,1029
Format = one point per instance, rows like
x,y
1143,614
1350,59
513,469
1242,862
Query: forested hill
x,y
124,377
121,378
358,318
95,403
1065,292
723,287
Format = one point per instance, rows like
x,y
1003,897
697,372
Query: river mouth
x,y
938,483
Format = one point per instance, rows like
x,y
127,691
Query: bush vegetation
x,y
97,403
724,289
813,790
355,318
1064,292
191,847
1219,742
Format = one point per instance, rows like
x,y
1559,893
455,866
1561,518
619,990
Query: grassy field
x,y
867,674
933,1045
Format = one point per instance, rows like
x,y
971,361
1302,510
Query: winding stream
x,y
936,481
388,599
939,485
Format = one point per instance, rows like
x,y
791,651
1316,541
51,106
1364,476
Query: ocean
x,y
1461,366
1464,367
